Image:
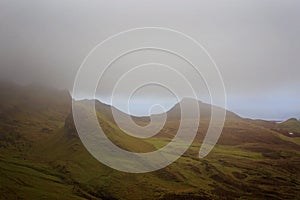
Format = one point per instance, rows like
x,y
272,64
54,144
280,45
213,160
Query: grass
x,y
22,180
250,161
291,126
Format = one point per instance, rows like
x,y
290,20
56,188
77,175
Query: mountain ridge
x,y
39,159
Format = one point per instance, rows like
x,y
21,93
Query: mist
x,y
255,44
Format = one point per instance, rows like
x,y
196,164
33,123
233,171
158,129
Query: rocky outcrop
x,y
70,128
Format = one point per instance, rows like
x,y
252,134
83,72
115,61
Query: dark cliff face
x,y
69,127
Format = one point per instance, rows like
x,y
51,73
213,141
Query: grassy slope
x,y
291,125
61,167
250,162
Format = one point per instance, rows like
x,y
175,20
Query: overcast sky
x,y
256,44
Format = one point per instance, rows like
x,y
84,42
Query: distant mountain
x,y
204,110
41,156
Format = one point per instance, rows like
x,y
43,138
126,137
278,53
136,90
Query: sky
x,y
255,45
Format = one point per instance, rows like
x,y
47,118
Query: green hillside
x,y
290,126
41,156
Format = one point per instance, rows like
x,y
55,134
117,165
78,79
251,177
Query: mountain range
x,y
42,156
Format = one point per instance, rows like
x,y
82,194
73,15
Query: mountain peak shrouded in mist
x,y
38,95
18,103
257,53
